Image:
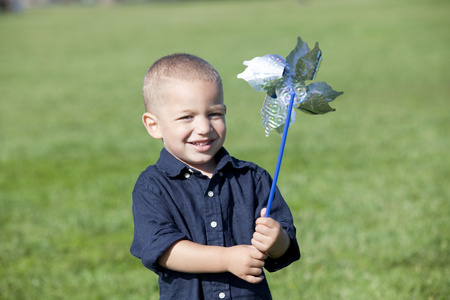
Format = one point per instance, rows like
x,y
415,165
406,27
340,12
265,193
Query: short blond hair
x,y
179,66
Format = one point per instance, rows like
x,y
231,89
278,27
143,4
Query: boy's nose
x,y
203,126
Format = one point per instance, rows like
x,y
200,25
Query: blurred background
x,y
367,184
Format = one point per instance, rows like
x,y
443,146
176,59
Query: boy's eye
x,y
216,114
185,118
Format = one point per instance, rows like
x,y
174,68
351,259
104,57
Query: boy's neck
x,y
207,169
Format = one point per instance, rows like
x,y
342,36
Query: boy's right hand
x,y
246,262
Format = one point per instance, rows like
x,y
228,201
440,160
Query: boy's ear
x,y
151,124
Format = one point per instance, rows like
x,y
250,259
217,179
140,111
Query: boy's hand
x,y
246,262
269,237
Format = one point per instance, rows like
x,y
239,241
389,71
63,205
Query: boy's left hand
x,y
269,237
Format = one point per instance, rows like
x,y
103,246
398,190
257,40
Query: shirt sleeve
x,y
154,229
281,213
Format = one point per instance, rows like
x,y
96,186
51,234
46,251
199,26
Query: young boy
x,y
198,212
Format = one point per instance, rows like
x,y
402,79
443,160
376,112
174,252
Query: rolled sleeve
x,y
292,254
154,230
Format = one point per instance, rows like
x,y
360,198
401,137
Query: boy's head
x,y
166,71
184,107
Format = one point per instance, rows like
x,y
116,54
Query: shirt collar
x,y
174,167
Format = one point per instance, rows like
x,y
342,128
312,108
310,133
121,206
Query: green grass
x,y
367,184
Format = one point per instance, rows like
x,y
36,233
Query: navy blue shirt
x,y
173,202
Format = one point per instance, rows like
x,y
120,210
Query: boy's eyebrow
x,y
212,107
221,106
185,111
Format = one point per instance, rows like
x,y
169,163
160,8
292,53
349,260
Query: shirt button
x,y
222,295
221,174
213,224
210,193
187,175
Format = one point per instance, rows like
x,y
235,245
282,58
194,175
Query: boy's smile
x,y
191,123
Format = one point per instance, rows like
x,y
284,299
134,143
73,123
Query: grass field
x,y
367,184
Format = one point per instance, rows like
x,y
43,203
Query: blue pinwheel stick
x,y
280,155
284,82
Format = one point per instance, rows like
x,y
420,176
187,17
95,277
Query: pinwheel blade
x,y
280,78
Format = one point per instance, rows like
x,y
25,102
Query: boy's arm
x,y
269,237
244,261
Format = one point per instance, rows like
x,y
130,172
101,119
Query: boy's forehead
x,y
178,90
174,82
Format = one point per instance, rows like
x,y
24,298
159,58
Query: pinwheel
x,y
284,81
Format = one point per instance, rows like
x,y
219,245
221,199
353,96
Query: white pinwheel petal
x,y
263,72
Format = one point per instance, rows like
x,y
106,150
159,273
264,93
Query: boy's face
x,y
191,123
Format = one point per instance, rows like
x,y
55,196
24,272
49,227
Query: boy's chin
x,y
204,161
200,163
